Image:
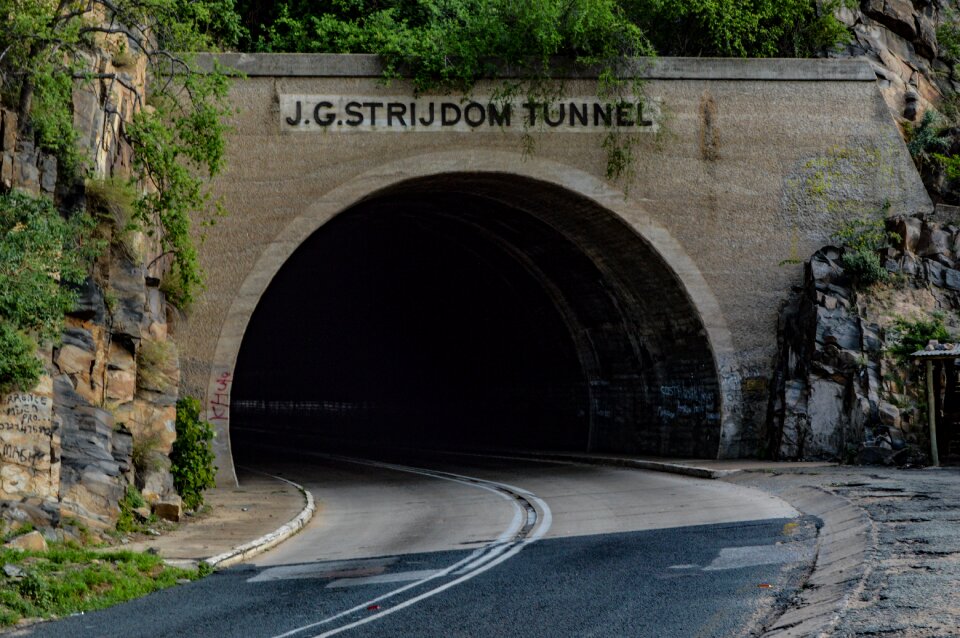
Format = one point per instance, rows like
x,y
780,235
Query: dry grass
x,y
154,359
111,202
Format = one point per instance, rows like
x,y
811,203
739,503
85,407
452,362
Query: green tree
x,y
740,28
450,44
442,33
908,336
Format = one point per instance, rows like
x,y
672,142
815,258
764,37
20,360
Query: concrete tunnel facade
x,y
659,291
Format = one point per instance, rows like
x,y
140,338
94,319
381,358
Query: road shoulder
x,y
242,521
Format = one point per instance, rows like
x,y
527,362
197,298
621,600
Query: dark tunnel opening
x,y
396,324
438,317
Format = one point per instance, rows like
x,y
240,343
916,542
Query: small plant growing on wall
x,y
862,240
131,501
192,454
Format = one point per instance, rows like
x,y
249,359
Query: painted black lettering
x,y
293,121
355,116
396,110
479,114
449,114
413,113
432,116
623,115
641,121
602,112
327,119
577,114
501,117
560,110
373,106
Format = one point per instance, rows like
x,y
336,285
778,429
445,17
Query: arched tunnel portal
x,y
477,310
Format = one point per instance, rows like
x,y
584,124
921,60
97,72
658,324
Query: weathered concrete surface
x,y
746,172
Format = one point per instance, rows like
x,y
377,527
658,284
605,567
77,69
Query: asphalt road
x,y
494,548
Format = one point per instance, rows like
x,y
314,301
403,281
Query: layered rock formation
x,y
837,390
108,398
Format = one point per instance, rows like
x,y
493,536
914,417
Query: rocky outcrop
x,y
899,38
92,479
837,392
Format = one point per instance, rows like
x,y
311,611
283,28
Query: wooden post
x,y
932,414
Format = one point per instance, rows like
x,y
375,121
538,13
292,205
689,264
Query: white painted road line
x,y
507,545
753,555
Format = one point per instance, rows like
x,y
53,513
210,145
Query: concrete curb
x,y
643,464
841,569
613,461
274,538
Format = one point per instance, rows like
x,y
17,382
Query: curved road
x,y
493,547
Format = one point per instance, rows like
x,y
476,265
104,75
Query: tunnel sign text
x,y
337,113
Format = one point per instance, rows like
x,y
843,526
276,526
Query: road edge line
x,y
271,540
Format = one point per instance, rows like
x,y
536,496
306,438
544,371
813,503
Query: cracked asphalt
x,y
912,584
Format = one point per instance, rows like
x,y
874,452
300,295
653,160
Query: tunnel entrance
x,y
479,311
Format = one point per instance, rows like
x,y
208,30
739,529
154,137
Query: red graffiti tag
x,y
220,401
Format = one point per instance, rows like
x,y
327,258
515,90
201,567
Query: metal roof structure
x,y
938,351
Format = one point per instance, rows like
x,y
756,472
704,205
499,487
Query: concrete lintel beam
x,y
362,65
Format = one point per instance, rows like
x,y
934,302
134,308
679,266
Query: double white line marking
x,y
531,520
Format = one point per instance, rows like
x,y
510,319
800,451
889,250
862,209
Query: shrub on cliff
x,y
192,454
41,256
862,240
19,366
911,335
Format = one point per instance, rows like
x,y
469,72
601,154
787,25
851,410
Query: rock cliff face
x,y
837,390
899,37
108,398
